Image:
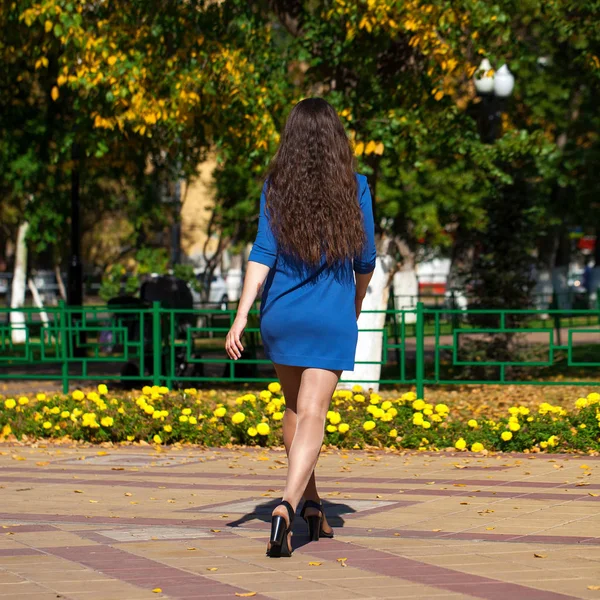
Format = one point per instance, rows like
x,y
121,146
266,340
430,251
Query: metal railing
x,y
420,347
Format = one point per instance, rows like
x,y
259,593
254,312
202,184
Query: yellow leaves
x,y
212,568
41,62
48,26
78,491
314,564
359,148
593,587
55,93
245,594
157,590
111,60
540,555
438,94
61,80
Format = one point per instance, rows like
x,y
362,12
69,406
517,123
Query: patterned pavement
x,y
133,523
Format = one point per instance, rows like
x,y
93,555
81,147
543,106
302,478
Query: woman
x,y
315,254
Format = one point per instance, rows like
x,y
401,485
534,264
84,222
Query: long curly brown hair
x,y
312,189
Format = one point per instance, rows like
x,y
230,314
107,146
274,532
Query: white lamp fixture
x,y
504,82
484,83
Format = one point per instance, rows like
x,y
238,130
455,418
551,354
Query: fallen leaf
x,y
215,530
593,587
191,548
436,530
540,555
464,503
245,594
117,468
128,494
397,534
212,568
94,501
78,491
593,495
314,564
101,453
299,577
155,590
224,516
42,463
490,528
460,466
430,483
341,559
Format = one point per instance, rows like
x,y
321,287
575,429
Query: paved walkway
x,y
133,524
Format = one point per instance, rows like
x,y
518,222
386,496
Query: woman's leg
x,y
312,403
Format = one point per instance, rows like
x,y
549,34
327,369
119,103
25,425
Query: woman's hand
x,y
358,305
233,344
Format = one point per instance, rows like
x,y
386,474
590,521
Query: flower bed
x,y
356,419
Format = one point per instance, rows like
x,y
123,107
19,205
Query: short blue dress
x,y
307,314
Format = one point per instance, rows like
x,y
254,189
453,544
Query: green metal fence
x,y
420,347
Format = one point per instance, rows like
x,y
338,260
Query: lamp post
x,y
493,90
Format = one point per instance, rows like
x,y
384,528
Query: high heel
x,y
315,522
278,542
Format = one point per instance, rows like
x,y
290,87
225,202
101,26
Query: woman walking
x,y
315,254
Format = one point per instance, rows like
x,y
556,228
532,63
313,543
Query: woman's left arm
x,y
256,274
262,258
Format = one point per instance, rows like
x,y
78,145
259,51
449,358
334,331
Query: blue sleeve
x,y
264,250
365,262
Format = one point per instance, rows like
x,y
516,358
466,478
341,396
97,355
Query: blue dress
x,y
307,314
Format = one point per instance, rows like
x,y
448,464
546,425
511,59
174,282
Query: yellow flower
x,y
523,410
163,390
263,429
472,423
107,421
552,440
359,398
157,439
186,411
386,405
460,444
543,445
427,412
168,428
149,409
368,425
130,438
477,447
506,435
238,417
514,411
393,433
146,390
220,412
357,388
436,418
386,417
24,400
593,398
418,404
193,420
375,398
10,403
265,395
156,414
581,402
121,410
65,414
252,431
514,426
331,428
343,427
274,387
335,418
46,425
78,395
102,389
277,416
529,419
183,419
239,400
441,408
93,396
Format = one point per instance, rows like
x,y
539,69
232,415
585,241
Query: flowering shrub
x,y
356,419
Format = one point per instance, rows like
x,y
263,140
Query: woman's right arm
x,y
364,265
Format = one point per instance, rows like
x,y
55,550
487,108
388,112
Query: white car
x,y
218,291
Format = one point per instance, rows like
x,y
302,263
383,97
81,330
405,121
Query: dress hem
x,y
315,362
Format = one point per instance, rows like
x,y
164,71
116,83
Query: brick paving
x,y
134,523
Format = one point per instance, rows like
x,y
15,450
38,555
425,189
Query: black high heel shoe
x,y
315,522
278,543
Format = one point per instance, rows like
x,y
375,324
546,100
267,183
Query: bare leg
x,y
290,378
312,403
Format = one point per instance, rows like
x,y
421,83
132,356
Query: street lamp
x,y
494,90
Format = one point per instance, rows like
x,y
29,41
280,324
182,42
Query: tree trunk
x,y
370,343
17,298
61,284
37,300
560,272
